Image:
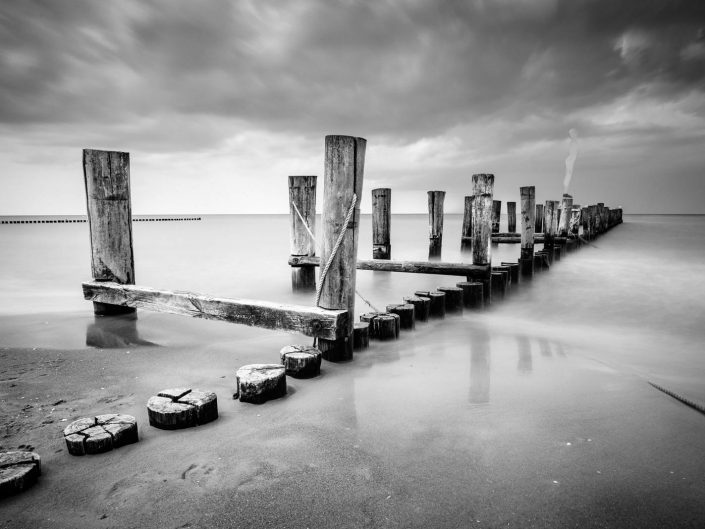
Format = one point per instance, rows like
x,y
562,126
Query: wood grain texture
x,y
381,223
566,213
467,218
511,216
302,193
538,228
496,215
19,470
311,321
435,214
528,220
258,383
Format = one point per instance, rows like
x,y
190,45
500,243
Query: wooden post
x,y
528,223
549,223
344,171
539,219
607,222
593,221
381,221
483,187
496,214
585,219
107,179
600,217
466,235
435,222
302,197
575,221
511,217
566,212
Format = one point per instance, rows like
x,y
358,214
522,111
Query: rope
x,y
310,233
687,402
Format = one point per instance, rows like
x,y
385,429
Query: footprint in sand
x,y
198,474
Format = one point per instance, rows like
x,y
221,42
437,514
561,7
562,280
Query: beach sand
x,y
483,429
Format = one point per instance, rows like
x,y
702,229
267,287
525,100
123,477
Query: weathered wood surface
x,y
528,225
381,223
483,187
343,176
421,307
301,361
565,215
513,271
386,326
406,313
511,216
472,294
19,470
411,267
176,408
466,232
538,228
311,321
106,176
496,215
361,335
258,383
435,223
574,227
302,194
453,299
101,433
550,226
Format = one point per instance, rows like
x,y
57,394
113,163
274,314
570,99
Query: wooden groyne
x,y
67,220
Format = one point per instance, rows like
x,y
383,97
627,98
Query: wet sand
x,y
452,426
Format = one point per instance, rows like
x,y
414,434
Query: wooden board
x,y
311,321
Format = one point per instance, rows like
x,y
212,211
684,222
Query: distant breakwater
x,y
69,220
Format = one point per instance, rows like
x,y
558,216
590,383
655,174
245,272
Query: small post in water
x,y
496,213
381,221
539,219
435,223
466,235
302,210
483,187
549,223
344,171
511,217
107,179
528,223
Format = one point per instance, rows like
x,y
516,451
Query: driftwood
x,y
311,321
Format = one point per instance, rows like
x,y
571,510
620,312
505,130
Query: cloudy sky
x,y
217,102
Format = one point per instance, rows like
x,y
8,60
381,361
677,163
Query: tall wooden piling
x,y
566,212
574,227
466,234
107,180
381,222
343,175
496,214
585,220
511,217
549,227
538,228
483,187
528,223
435,222
302,210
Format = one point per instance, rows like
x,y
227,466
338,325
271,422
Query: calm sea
x,y
634,301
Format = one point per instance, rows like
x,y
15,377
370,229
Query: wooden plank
x,y
411,267
311,321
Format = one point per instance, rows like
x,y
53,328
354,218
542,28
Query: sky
x,y
218,102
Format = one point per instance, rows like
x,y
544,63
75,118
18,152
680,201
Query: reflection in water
x,y
434,249
544,347
558,347
112,332
524,348
479,366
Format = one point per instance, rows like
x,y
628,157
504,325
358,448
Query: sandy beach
x,y
474,432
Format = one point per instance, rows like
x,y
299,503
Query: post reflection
x,y
480,366
524,364
113,332
544,347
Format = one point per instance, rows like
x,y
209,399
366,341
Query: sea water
x,y
634,299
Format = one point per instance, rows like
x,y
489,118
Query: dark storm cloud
x,y
403,69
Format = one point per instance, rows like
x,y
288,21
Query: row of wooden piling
x,y
70,221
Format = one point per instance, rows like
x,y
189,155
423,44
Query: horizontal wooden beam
x,y
311,321
516,238
412,267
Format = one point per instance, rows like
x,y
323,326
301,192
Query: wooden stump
x,y
513,272
386,326
301,361
361,335
369,319
102,433
258,383
18,471
498,285
405,313
177,408
421,306
437,304
504,270
453,298
472,294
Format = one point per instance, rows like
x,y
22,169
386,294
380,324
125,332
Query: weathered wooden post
x,y
302,208
549,230
539,219
566,212
528,223
511,217
593,221
607,223
496,214
381,221
483,187
342,191
435,222
585,220
466,235
600,218
574,227
107,179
